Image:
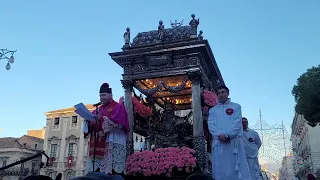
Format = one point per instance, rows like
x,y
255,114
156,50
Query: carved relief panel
x,y
159,62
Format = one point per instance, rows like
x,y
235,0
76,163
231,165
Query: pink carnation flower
x,y
161,162
210,98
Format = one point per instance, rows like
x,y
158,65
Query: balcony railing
x,y
15,171
23,171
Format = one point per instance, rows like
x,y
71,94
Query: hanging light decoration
x,y
10,59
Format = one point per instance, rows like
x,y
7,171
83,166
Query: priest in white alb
x,y
229,160
252,144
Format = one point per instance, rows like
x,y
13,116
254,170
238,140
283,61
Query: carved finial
x,y
200,36
160,30
176,24
126,37
194,23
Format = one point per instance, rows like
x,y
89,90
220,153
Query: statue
x,y
126,37
160,30
194,26
171,130
200,36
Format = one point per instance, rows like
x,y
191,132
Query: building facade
x,y
37,133
306,147
66,146
16,149
286,170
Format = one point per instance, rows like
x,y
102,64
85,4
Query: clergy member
x,y
252,144
229,160
111,126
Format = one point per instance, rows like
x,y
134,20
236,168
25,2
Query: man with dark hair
x,y
252,144
108,135
225,125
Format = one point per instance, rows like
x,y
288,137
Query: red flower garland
x,y
138,107
141,109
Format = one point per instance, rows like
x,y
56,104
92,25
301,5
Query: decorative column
x,y
128,85
64,124
46,145
198,135
80,156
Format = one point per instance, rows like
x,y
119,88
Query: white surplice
x,y
229,160
115,156
252,144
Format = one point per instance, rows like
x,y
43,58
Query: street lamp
x,y
4,55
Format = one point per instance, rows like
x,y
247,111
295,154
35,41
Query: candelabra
x,y
4,55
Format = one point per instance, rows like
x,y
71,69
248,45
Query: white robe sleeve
x,y
236,124
257,140
85,127
215,132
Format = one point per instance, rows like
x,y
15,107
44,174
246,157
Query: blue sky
x,y
261,48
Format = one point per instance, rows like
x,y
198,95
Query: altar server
x,y
252,144
229,160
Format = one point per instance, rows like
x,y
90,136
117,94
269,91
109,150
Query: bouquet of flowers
x,y
161,162
210,98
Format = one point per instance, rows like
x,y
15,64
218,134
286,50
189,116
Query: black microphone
x,y
97,104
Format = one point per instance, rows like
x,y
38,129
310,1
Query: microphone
x,y
97,104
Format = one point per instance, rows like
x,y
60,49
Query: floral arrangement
x,y
138,107
161,162
210,98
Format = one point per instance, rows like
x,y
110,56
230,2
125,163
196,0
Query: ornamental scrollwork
x,y
159,62
194,76
127,84
199,146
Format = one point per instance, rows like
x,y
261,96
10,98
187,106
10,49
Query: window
x,y
69,175
56,121
74,122
71,149
51,175
36,146
21,165
53,151
33,167
74,119
4,163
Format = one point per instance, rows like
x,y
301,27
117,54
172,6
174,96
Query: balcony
x,y
15,171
